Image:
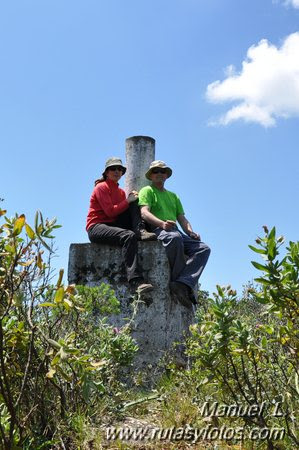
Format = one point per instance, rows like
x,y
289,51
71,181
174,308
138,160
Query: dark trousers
x,y
121,233
177,245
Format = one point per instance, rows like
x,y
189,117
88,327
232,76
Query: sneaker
x,y
181,292
144,235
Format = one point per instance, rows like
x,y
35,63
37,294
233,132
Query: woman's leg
x,y
131,219
108,234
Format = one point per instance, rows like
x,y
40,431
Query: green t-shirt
x,y
165,205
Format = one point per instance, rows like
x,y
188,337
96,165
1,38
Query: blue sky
x,y
215,82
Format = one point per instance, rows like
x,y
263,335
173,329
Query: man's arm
x,y
187,228
153,220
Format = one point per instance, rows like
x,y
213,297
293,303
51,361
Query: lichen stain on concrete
x,y
86,269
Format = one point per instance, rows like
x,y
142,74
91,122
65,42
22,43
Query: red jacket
x,y
107,201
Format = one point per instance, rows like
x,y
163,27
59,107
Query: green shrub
x,y
245,352
56,356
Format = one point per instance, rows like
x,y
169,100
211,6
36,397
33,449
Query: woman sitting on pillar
x,y
114,219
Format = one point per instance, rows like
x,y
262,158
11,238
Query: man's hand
x,y
168,225
194,235
132,196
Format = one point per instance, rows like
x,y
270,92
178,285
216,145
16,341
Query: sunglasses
x,y
159,171
114,168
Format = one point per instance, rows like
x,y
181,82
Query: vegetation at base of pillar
x,y
55,359
245,351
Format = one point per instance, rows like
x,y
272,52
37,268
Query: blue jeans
x,y
177,246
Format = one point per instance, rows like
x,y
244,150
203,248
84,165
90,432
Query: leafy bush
x,y
56,356
246,352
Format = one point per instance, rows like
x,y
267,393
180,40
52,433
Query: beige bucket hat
x,y
158,164
114,161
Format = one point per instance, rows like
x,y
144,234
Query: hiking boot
x,y
144,235
181,292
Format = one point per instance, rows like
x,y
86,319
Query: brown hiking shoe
x,y
144,235
181,292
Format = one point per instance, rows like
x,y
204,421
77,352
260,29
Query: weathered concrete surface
x,y
140,152
159,321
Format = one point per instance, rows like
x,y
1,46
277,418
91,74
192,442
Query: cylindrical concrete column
x,y
140,152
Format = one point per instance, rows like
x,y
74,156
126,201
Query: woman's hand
x,y
132,197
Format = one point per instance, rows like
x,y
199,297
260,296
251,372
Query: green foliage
x,y
56,356
247,350
61,363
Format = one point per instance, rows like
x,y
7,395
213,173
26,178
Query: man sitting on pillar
x,y
161,209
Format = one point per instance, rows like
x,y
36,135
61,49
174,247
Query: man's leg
x,y
112,235
172,241
198,254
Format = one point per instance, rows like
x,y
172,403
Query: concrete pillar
x,y
140,152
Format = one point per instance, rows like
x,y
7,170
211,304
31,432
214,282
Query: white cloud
x,y
267,86
294,3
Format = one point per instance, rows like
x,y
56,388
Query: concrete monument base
x,y
160,321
